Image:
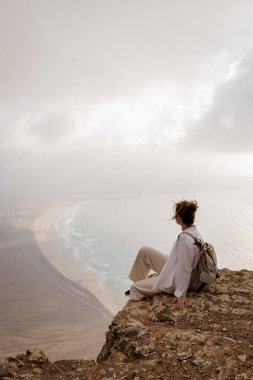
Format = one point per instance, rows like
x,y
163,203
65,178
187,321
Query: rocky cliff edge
x,y
212,339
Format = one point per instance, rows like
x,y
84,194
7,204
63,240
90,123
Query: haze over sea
x,y
104,234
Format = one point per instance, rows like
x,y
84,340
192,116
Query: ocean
x,y
104,234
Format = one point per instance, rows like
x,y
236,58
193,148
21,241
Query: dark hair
x,y
186,210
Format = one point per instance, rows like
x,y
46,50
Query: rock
x,y
240,299
224,298
37,371
185,355
242,376
198,361
244,291
102,372
239,312
37,356
131,331
135,322
151,339
198,339
162,314
13,366
242,358
12,371
181,335
215,326
142,350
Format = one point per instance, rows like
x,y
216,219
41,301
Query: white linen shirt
x,y
176,273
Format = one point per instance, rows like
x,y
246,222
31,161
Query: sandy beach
x,y
40,304
48,237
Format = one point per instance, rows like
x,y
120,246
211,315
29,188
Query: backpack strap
x,y
197,242
202,253
202,284
188,233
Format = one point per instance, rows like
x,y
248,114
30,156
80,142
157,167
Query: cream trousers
x,y
146,260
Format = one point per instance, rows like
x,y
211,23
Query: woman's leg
x,y
147,259
143,288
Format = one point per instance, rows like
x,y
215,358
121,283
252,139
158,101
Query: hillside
x,y
40,306
150,339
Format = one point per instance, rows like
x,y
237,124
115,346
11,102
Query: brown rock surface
x,y
150,339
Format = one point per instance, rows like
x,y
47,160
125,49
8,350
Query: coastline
x,y
49,240
40,307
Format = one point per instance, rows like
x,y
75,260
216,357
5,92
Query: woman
x,y
174,271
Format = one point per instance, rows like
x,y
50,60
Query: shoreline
x,y
40,307
49,241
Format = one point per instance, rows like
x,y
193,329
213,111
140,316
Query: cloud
x,y
52,128
135,121
228,123
111,95
96,50
40,128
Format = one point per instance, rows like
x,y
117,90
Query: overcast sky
x,y
113,96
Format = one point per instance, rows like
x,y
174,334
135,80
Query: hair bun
x,y
193,205
186,210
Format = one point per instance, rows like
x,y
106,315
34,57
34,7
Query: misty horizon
x,y
124,97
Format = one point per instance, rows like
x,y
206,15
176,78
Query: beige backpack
x,y
206,271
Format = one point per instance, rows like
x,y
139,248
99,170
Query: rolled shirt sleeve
x,y
183,268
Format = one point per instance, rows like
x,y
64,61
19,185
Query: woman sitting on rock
x,y
174,271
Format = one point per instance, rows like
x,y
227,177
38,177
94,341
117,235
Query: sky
x,y
124,97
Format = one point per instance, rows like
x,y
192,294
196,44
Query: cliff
x,y
150,339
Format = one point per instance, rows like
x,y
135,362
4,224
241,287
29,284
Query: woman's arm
x,y
180,302
183,272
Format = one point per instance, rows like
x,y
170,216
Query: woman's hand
x,y
180,302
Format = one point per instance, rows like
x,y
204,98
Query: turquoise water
x,y
104,234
